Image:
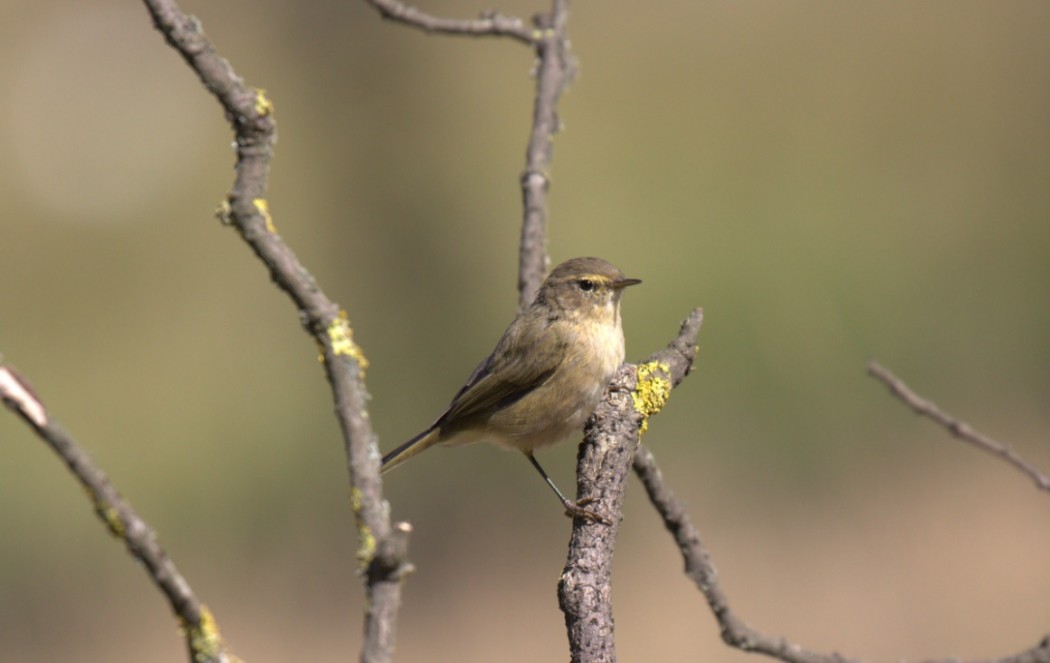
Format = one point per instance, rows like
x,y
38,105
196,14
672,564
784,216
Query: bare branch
x,y
198,626
610,438
554,72
701,570
489,24
247,209
957,428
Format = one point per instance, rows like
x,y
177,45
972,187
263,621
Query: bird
x,y
545,376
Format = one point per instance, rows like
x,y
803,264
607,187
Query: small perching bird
x,y
546,375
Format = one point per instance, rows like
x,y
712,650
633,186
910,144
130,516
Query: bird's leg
x,y
572,509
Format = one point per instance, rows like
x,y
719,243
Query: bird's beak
x,y
623,283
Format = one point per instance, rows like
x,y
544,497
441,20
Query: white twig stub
x,y
19,396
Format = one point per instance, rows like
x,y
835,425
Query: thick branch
x,y
202,634
251,116
610,438
958,429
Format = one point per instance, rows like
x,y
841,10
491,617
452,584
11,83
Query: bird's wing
x,y
512,371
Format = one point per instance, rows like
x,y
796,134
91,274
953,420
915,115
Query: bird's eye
x,y
585,284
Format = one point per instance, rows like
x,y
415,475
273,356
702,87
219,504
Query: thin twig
x,y
247,209
701,570
554,72
489,24
611,435
203,642
957,428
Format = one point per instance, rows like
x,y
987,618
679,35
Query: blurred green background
x,y
831,181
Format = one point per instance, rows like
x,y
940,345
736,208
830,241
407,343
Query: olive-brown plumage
x,y
546,374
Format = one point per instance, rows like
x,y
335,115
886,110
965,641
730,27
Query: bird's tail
x,y
421,442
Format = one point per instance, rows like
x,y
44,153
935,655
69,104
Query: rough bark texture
x,y
603,466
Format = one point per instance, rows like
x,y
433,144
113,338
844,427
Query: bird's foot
x,y
576,509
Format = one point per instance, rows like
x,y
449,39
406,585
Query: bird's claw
x,y
576,509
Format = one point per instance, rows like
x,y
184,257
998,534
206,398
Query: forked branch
x,y
701,570
555,70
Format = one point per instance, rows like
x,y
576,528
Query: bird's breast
x,y
562,405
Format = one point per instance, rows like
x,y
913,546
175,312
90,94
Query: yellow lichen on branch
x,y
652,391
367,550
205,641
263,105
341,337
263,207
